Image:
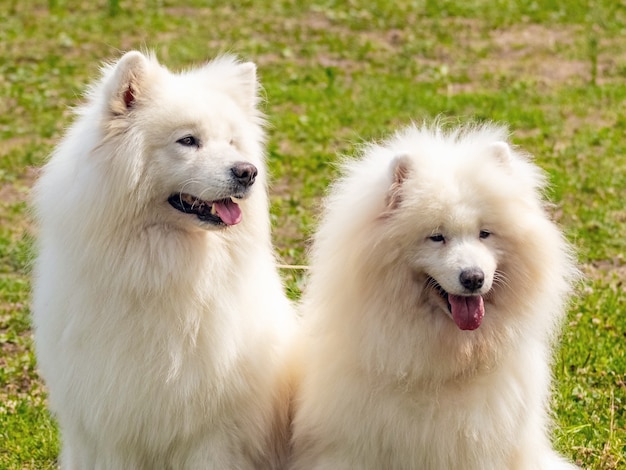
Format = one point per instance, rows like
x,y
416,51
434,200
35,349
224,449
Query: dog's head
x,y
457,204
189,144
444,248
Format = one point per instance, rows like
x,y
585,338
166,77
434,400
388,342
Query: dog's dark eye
x,y
484,234
188,141
437,238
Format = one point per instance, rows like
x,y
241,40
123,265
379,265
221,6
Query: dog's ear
x,y
501,151
400,168
236,79
126,83
246,77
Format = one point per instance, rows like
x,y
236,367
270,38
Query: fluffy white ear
x,y
247,77
502,152
237,79
125,86
400,168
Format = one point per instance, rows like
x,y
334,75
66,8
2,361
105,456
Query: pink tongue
x,y
229,212
467,311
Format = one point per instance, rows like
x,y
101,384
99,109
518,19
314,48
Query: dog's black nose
x,y
472,279
244,173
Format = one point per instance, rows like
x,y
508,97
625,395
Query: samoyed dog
x,y
159,315
437,286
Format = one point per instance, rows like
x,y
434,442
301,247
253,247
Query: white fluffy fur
x,y
390,381
160,338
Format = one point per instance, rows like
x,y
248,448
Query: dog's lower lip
x,y
441,291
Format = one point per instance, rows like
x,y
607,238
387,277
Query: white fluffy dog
x,y
437,286
159,315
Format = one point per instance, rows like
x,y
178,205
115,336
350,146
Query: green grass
x,y
336,73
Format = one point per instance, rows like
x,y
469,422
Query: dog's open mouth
x,y
467,310
220,212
